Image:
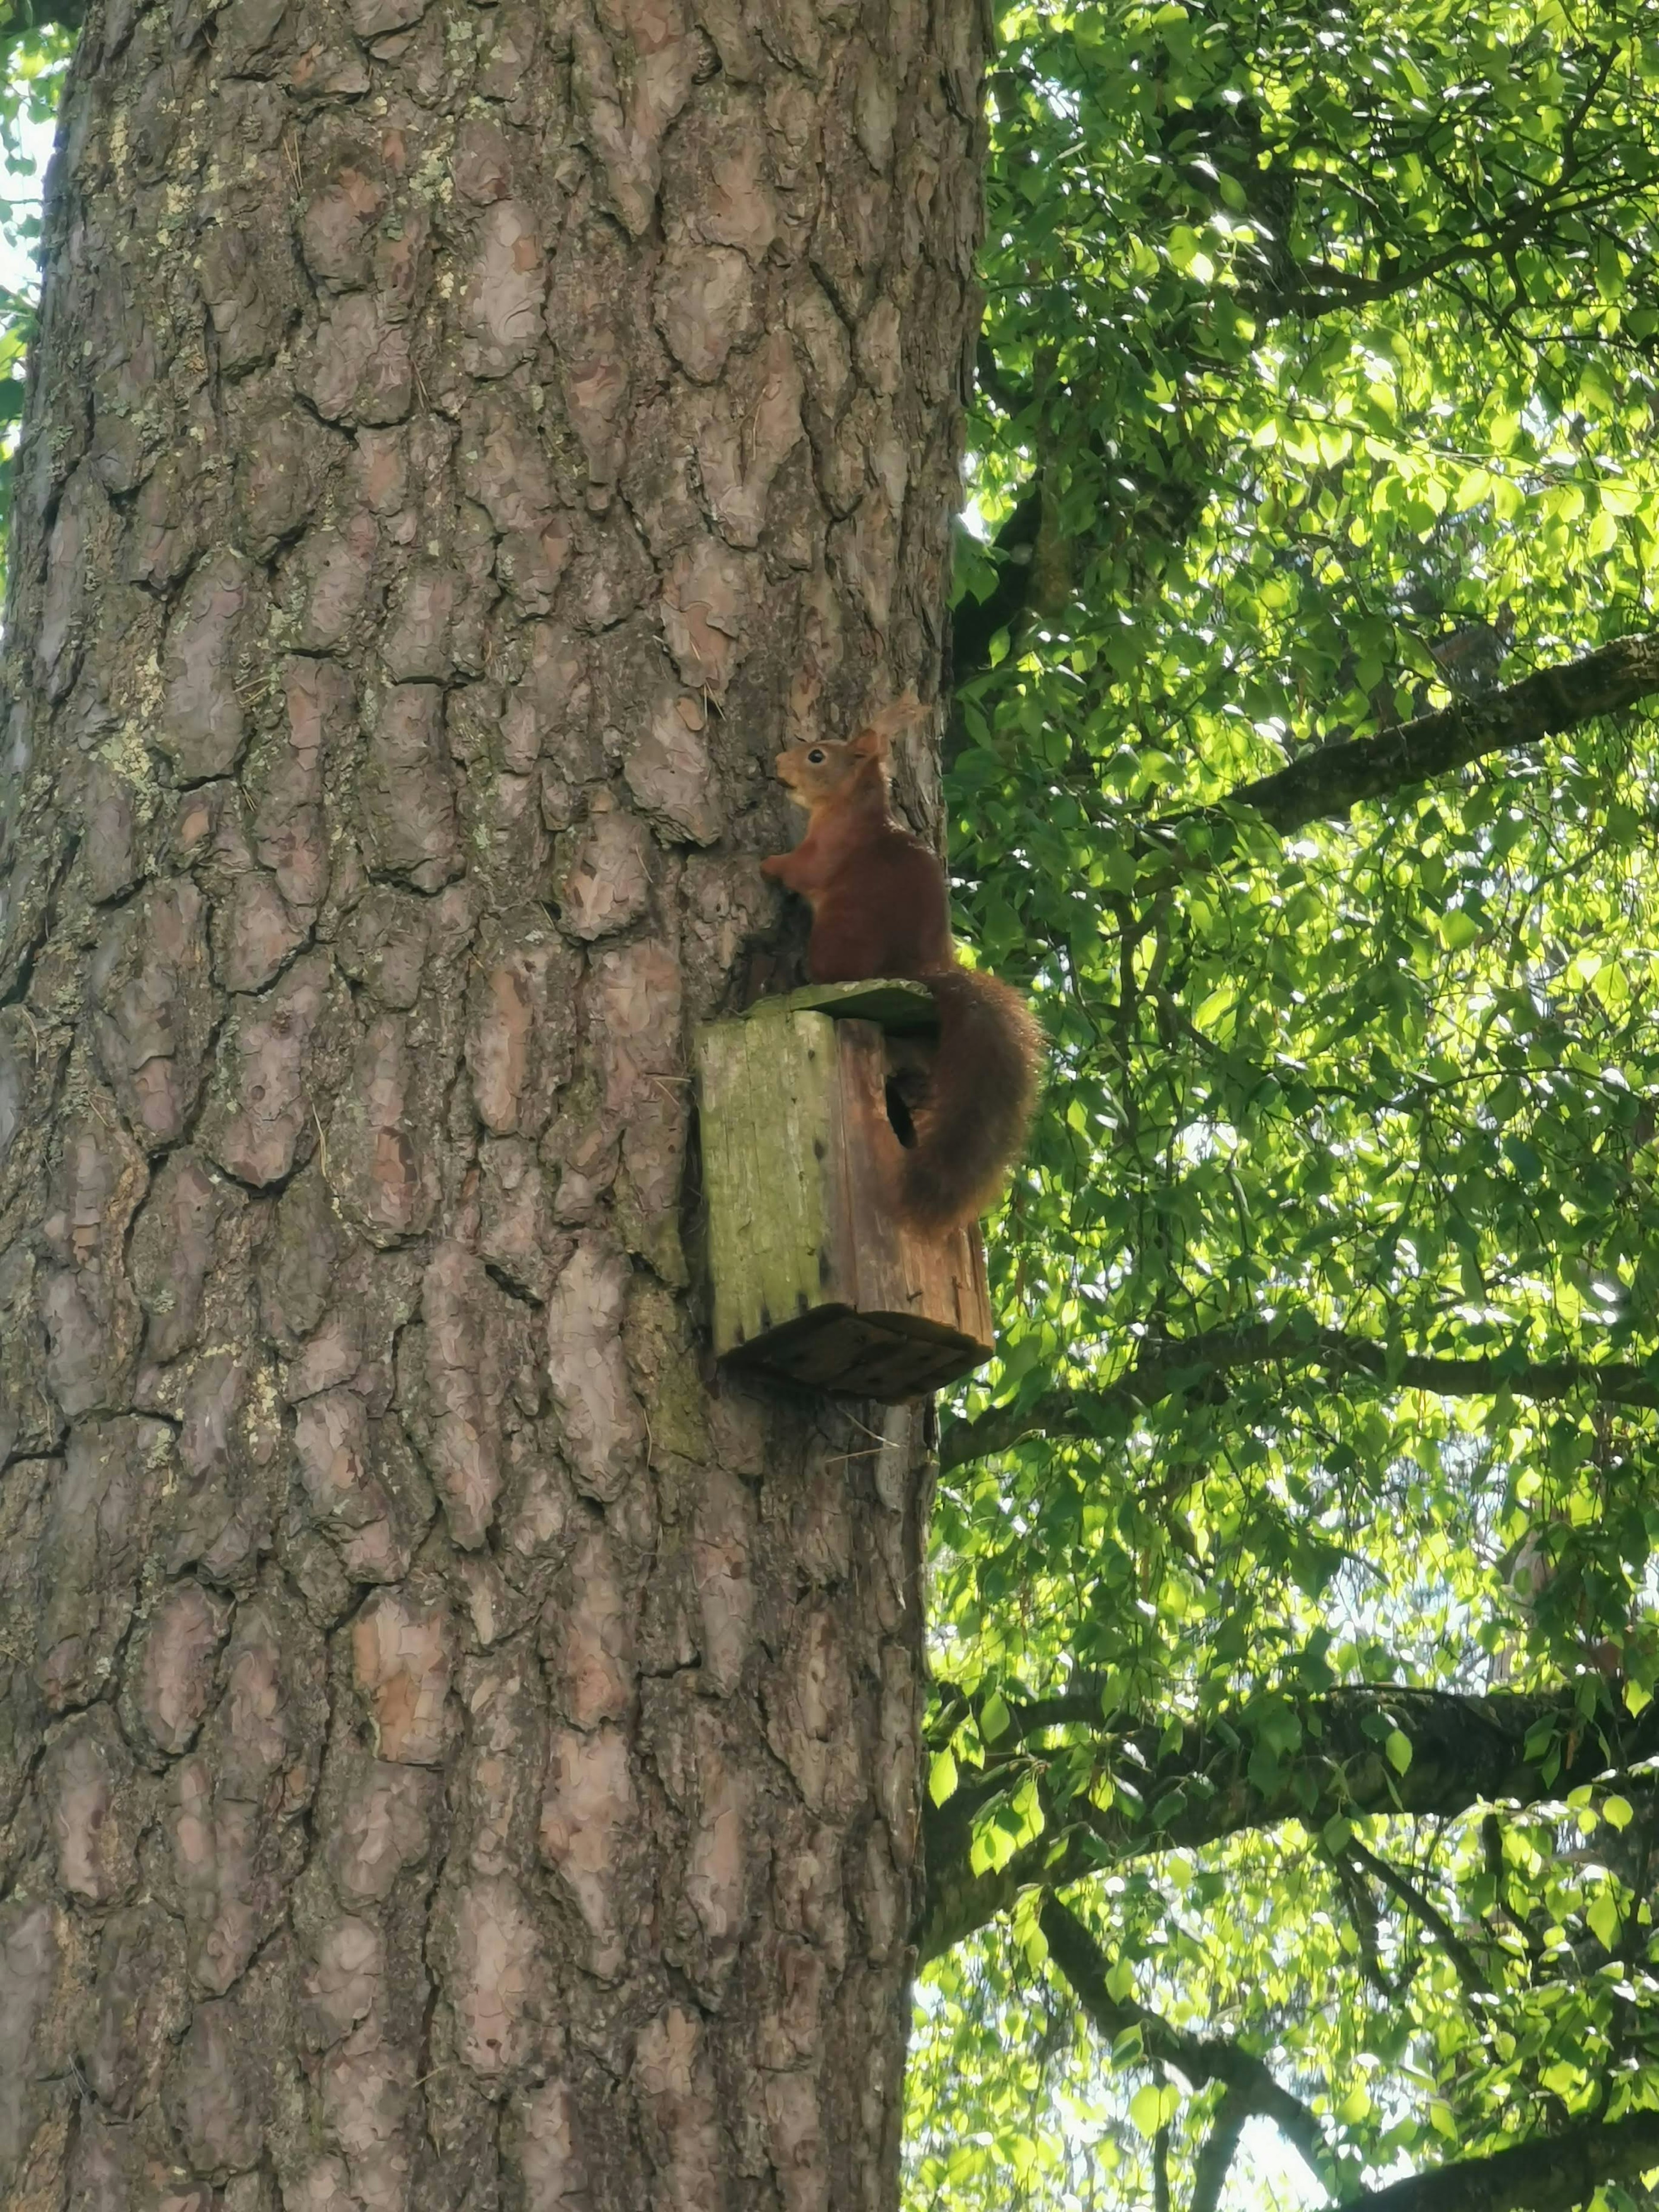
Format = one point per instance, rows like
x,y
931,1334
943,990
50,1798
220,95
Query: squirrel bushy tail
x,y
980,1097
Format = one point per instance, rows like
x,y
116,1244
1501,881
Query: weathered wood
x,y
928,1293
891,1001
769,1118
814,1276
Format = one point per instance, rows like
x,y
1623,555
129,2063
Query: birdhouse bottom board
x,y
814,1276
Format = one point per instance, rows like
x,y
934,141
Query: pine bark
x,y
457,1749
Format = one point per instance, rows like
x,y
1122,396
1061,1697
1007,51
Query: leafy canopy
x,y
1319,388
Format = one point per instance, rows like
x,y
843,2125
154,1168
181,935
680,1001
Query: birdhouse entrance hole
x,y
803,1101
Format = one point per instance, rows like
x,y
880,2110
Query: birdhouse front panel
x,y
814,1276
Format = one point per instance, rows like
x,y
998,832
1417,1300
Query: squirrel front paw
x,y
773,868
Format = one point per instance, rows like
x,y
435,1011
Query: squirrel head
x,y
829,767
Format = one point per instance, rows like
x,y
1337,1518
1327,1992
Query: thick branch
x,y
1328,783
1547,2173
1163,1367
1331,781
1248,2081
1465,1750
1220,2148
1326,288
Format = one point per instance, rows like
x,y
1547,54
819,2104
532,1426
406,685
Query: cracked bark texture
x,y
455,1752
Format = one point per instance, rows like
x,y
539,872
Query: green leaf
x,y
1183,245
1264,1769
1355,2107
1152,2107
1603,1918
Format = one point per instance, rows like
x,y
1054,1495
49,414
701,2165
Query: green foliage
x,y
1319,385
34,59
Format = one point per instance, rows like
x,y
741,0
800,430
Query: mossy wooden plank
x,y
726,1109
788,1071
890,1001
769,1107
814,1276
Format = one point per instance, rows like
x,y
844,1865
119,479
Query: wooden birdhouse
x,y
814,1276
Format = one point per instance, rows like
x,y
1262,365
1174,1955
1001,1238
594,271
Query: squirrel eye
x,y
816,756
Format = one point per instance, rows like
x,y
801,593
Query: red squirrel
x,y
880,908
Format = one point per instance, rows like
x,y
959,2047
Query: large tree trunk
x,y
458,1750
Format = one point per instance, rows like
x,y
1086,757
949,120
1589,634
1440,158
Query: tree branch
x,y
1220,2148
1248,2081
1363,1918
1547,2173
1465,1750
1329,782
1165,1367
1544,2174
974,622
1326,289
1161,2169
1467,1967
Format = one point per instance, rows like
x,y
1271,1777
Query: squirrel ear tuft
x,y
874,739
